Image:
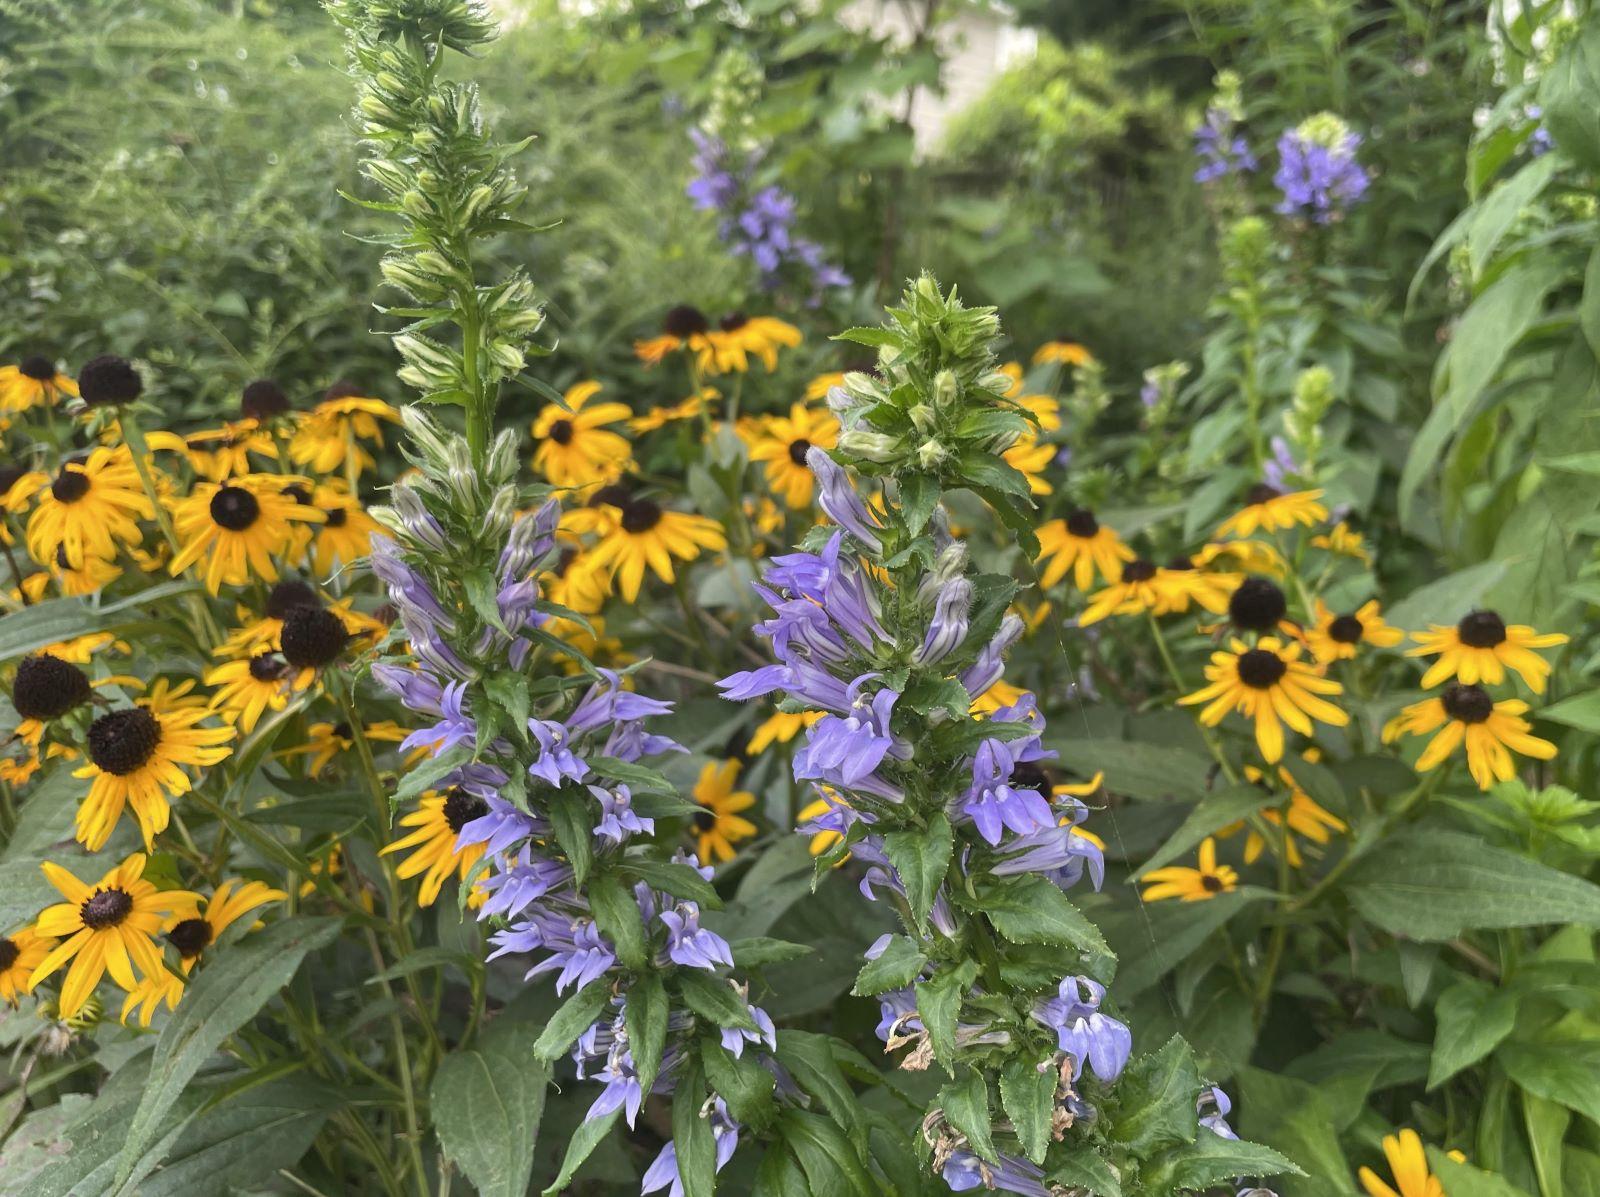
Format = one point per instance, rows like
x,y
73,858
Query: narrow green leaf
x,y
577,1015
1156,1099
966,1106
896,967
1472,1019
617,916
646,1013
922,858
585,1139
714,999
679,880
1028,1094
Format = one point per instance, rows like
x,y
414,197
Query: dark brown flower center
x,y
1028,776
1257,605
1180,562
1211,883
1260,669
8,954
613,495
341,729
37,367
640,515
343,389
105,908
109,379
47,687
1261,493
561,432
685,320
298,493
123,742
1081,523
263,399
734,321
267,668
1481,629
798,450
234,508
1469,704
312,637
705,819
1141,570
1346,629
70,485
461,808
286,596
338,517
190,937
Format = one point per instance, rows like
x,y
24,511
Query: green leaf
x,y
830,1162
1151,941
487,1101
617,916
1139,769
1211,1160
1033,910
1433,884
921,857
646,1013
691,1132
896,967
679,880
1088,1170
1296,1119
919,495
1589,306
939,1001
1028,1095
1546,1123
742,1083
509,692
220,999
1156,1099
1214,812
577,1015
1562,1071
1581,711
1446,600
1472,1020
871,337
811,1060
569,817
1463,1180
714,999
966,1106
753,951
585,1139
1567,91
989,472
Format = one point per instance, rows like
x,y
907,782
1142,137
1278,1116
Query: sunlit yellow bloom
x,y
817,389
1343,540
1080,543
581,586
1306,817
17,490
80,650
73,576
779,728
996,698
1145,588
249,688
135,759
781,445
90,507
109,927
1408,1163
686,409
1063,352
193,929
1266,683
437,821
575,446
149,995
1030,457
327,740
718,825
1481,647
345,536
683,327
237,528
1191,885
648,534
20,953
1236,557
328,436
1467,714
33,382
739,337
1338,637
1270,510
222,453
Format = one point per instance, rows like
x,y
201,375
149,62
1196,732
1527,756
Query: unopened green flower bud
x,y
923,417
931,453
873,446
507,356
502,511
415,205
946,388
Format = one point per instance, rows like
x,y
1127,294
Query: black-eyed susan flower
x,y
262,400
197,927
108,927
1233,557
1257,605
718,825
1270,510
109,381
737,338
137,758
73,577
1081,544
47,687
683,327
1338,637
262,633
149,995
576,448
89,508
20,953
326,741
437,822
222,453
1481,647
35,381
1466,714
345,536
1343,541
779,728
685,409
1146,588
781,444
1408,1163
1205,881
248,688
1030,457
237,528
1269,685
1062,352
327,439
312,638
649,534
1305,817
817,389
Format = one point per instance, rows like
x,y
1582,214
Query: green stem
x,y
1177,679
